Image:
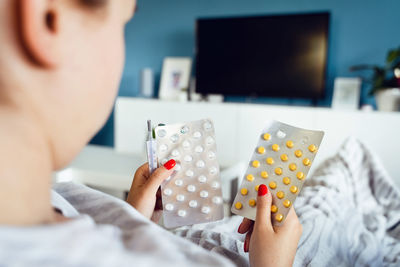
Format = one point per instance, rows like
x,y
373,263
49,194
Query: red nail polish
x,y
262,190
239,228
170,164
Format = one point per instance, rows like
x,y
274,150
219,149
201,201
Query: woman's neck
x,y
25,170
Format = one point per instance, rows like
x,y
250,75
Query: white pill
x,y
207,126
188,158
213,170
200,164
184,129
215,185
189,173
197,135
209,140
280,134
202,179
205,209
211,155
204,194
178,182
174,138
163,161
181,213
193,203
217,200
198,149
178,167
169,207
180,197
186,144
167,191
175,153
163,148
161,133
191,188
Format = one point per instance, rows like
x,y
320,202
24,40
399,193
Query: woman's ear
x,y
38,25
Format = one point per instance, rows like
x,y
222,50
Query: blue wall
x,y
361,32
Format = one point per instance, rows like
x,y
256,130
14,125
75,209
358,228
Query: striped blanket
x,y
349,209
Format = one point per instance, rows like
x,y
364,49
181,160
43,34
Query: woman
x,y
60,66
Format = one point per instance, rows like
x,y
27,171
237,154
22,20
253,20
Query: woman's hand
x,y
269,245
144,194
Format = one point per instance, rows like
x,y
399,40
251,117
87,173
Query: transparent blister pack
x,y
193,192
281,160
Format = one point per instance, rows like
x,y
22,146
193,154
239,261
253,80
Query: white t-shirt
x,y
104,231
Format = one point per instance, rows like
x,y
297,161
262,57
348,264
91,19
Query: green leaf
x,y
392,56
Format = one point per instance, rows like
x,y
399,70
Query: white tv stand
x,y
237,126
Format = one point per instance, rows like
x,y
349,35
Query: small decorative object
x,y
147,83
346,94
385,81
175,77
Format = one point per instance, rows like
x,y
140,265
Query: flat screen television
x,y
280,56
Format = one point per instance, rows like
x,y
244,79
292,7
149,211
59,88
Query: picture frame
x,y
346,93
175,77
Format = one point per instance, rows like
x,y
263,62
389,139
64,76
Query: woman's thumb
x,y
264,200
159,175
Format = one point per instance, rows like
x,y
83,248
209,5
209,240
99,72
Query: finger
x,y
264,200
159,175
141,174
245,226
291,219
247,240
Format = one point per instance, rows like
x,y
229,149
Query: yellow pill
x,y
278,171
293,189
298,153
272,185
279,217
289,144
286,180
264,174
274,208
238,205
292,166
287,203
267,136
275,147
252,202
280,195
284,157
261,150
269,161
255,164
312,148
306,162
256,187
243,191
250,177
300,175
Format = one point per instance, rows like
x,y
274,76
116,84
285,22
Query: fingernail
x,y
262,190
239,228
245,246
170,164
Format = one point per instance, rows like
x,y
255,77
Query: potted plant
x,y
385,81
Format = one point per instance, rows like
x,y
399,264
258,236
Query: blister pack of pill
x,y
193,192
281,160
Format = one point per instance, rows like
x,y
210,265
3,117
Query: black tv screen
x,y
281,56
